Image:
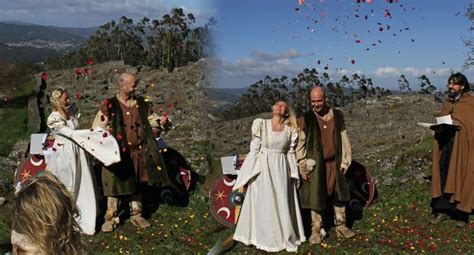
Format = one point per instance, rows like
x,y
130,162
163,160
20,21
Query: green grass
x,y
14,116
396,223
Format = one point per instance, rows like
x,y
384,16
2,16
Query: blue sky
x,y
256,38
89,13
260,37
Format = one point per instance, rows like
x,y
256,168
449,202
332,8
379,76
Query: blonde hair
x,y
45,213
55,101
290,116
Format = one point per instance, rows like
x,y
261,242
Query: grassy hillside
x,y
384,136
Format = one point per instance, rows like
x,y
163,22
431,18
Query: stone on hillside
x,y
213,118
2,200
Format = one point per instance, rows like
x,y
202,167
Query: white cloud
x,y
388,71
268,57
257,65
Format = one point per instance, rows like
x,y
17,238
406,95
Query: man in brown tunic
x,y
452,185
327,143
125,117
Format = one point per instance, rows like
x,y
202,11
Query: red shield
x,y
28,168
224,203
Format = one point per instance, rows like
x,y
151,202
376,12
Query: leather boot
x,y
111,219
136,212
341,229
316,221
439,218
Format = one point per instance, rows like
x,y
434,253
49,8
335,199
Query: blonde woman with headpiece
x,y
69,160
44,220
270,217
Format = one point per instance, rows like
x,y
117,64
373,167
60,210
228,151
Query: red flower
x,y
119,137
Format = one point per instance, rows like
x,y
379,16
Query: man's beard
x,y
453,95
323,110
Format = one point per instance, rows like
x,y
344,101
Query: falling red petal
x,y
353,61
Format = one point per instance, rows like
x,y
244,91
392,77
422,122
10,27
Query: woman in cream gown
x,y
270,217
69,160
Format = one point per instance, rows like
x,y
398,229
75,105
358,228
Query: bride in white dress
x,y
270,217
69,160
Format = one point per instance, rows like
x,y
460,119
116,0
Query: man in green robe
x,y
326,143
125,116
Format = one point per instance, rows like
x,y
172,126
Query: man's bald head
x,y
318,90
127,83
317,97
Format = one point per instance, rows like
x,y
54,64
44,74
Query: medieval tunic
x,y
458,177
270,216
141,160
328,144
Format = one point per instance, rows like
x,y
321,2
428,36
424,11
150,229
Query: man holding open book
x,y
452,186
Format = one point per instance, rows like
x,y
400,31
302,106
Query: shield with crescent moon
x,y
28,168
224,203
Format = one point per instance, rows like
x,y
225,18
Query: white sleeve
x,y
58,125
291,156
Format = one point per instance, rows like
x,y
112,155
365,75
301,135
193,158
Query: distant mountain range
x,y
25,54
229,95
27,42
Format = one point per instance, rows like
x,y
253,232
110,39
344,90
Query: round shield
x,y
361,184
28,168
224,203
179,170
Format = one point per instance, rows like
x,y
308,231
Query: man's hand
x,y
344,170
306,177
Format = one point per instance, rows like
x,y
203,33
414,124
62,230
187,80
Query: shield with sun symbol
x,y
224,203
28,168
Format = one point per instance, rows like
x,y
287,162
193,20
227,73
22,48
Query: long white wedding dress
x,y
270,217
69,162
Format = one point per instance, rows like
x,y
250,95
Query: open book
x,y
445,120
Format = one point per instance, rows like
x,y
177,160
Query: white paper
x,y
446,119
37,143
443,120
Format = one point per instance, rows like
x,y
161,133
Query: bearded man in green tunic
x,y
125,116
327,144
